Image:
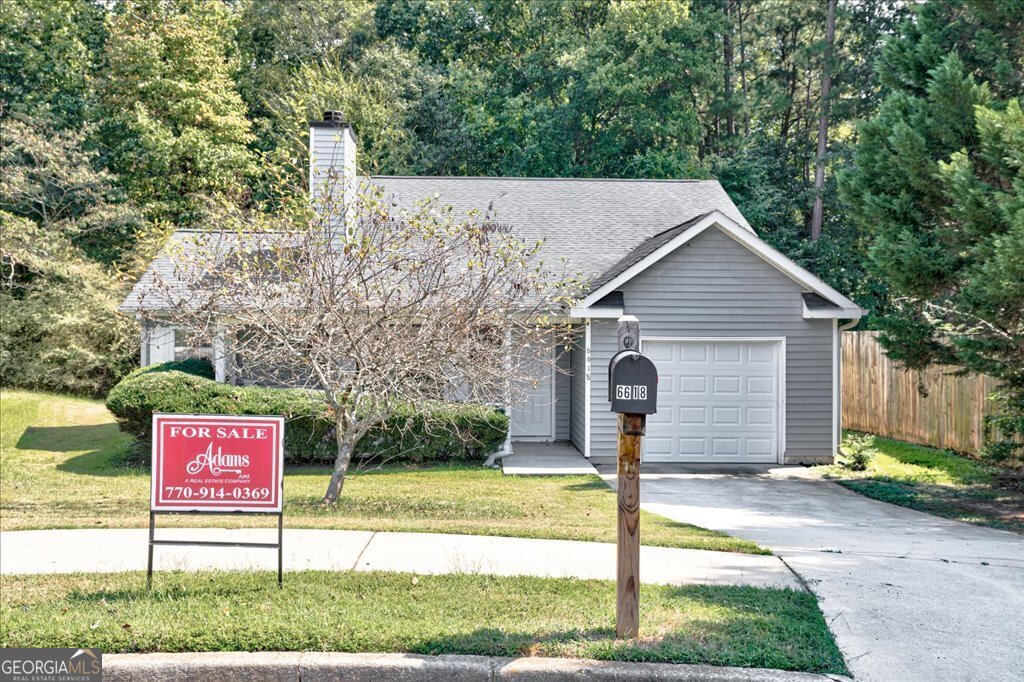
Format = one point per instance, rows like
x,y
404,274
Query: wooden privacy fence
x,y
879,397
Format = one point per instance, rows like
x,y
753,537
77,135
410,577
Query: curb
x,y
321,667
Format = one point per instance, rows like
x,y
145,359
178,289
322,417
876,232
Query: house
x,y
746,341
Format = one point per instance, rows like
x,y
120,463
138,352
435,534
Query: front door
x,y
532,416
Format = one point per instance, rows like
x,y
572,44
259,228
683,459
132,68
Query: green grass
x,y
469,614
935,481
64,464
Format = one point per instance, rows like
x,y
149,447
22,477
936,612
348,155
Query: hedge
x,y
446,431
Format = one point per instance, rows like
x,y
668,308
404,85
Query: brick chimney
x,y
332,157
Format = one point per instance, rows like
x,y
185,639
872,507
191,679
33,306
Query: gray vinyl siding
x,y
562,391
715,287
603,345
577,397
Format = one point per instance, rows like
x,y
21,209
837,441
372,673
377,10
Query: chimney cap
x,y
331,119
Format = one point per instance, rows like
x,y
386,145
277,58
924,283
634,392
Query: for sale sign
x,y
217,463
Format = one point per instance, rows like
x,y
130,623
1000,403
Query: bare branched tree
x,y
372,307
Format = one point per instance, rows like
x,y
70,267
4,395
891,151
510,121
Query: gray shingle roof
x,y
590,223
589,226
645,249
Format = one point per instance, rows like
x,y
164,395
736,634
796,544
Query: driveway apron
x,y
909,596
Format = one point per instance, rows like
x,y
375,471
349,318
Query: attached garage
x,y
745,342
719,400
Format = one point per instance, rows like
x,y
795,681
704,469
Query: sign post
x,y
632,392
217,464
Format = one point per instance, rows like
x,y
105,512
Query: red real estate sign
x,y
217,463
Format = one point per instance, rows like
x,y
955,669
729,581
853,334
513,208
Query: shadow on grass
x,y
123,461
68,438
591,483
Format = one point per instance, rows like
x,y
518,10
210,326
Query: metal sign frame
x,y
279,545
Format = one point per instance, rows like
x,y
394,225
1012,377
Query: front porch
x,y
545,459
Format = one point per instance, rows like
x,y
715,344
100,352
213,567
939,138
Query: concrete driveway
x,y
908,596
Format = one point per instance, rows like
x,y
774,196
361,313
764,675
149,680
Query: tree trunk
x,y
826,88
346,445
730,115
743,71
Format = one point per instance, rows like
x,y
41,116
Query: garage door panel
x,y
717,401
761,447
725,416
727,385
691,385
725,446
660,353
693,415
762,353
730,354
692,446
695,352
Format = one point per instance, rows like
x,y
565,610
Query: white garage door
x,y
718,401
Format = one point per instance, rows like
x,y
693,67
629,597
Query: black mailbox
x,y
632,383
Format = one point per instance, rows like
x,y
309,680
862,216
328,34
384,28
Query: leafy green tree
x,y
64,222
561,89
59,325
52,177
937,185
176,125
50,51
277,39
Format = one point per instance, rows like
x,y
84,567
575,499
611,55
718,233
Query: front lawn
x,y
63,465
398,612
936,481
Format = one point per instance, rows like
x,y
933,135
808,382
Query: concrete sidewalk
x,y
113,550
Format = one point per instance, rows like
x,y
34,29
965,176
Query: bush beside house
x,y
443,432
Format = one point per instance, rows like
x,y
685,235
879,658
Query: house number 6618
x,y
635,392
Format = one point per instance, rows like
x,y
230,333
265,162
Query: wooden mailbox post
x,y
632,392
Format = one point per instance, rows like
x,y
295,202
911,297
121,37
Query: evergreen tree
x,y
937,185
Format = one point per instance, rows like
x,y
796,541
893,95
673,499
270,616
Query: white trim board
x,y
746,238
586,390
832,313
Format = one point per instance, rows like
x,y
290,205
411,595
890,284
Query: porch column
x,y
506,449
220,355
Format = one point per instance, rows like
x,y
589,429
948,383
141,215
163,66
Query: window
x,y
187,347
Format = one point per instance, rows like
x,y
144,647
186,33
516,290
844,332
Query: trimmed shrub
x,y
447,431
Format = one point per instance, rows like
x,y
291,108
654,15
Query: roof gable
x,y
659,246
